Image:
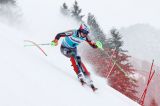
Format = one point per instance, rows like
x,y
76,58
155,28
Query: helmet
x,y
84,28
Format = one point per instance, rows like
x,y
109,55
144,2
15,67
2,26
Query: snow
x,y
29,78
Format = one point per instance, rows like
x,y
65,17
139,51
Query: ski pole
x,y
38,44
100,46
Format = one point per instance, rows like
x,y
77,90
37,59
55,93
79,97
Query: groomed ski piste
x,y
29,78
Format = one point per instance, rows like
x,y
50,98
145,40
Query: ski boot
x,y
90,83
81,78
93,87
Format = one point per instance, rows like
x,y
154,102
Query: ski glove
x,y
54,42
99,45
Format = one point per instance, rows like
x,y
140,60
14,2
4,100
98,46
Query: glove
x,y
99,45
54,42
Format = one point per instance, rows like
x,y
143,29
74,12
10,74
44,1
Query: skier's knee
x,y
72,53
78,58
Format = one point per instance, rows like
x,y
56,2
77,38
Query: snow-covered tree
x,y
95,29
115,42
7,1
65,6
76,11
120,77
64,9
9,12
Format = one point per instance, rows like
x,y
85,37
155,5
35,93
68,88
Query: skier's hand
x,y
54,42
99,45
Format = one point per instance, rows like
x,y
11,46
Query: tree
x,y
7,1
10,13
118,79
65,6
95,29
64,9
115,42
76,11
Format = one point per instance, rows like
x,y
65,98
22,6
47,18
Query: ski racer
x,y
72,39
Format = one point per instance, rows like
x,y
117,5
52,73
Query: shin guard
x,y
85,69
73,61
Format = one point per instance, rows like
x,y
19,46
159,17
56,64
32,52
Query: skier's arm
x,y
64,34
91,43
59,35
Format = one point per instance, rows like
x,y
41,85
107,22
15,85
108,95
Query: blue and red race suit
x,y
73,39
69,45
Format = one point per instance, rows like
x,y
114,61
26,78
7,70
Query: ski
x,y
89,85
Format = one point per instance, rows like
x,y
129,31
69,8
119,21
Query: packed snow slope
x,y
29,78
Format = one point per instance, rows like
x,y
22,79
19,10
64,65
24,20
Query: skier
x,y
72,39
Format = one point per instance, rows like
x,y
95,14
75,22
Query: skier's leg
x,y
76,60
75,65
88,79
73,61
86,74
65,51
70,54
84,69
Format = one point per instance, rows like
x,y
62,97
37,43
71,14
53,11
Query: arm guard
x,y
91,43
64,34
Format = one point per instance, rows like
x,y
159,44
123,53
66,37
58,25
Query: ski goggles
x,y
84,32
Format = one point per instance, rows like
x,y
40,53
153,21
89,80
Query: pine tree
x,y
115,42
65,6
10,13
118,79
7,2
64,9
76,11
95,29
